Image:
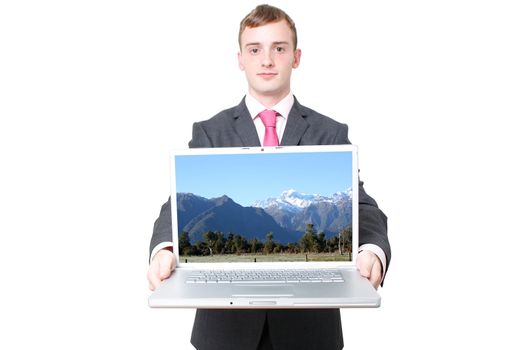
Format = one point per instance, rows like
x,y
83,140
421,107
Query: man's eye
x,y
279,49
254,51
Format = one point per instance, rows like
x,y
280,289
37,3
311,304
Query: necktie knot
x,y
269,119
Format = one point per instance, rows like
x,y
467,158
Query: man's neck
x,y
269,101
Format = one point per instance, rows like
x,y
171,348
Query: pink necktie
x,y
269,119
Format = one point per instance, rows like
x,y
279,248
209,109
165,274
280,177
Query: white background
x,y
93,95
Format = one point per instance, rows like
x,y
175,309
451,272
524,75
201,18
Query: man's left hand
x,y
370,267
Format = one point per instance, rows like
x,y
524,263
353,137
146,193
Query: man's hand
x,y
370,267
160,267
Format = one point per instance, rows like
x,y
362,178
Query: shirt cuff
x,y
377,251
159,247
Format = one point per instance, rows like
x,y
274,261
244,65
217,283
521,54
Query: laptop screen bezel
x,y
267,150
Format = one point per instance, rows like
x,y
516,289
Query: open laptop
x,y
273,227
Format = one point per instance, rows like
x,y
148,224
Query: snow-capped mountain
x,y
292,200
292,210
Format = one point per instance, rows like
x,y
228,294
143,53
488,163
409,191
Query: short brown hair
x,y
264,14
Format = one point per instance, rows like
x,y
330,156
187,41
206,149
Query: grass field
x,y
265,258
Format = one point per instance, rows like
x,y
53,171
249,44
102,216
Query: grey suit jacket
x,y
289,329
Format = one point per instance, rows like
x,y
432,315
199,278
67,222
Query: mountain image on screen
x,y
285,216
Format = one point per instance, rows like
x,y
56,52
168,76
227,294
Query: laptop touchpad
x,y
262,290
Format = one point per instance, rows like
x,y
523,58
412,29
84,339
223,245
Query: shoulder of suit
x,y
314,117
219,118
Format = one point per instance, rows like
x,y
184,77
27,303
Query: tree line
x,y
215,242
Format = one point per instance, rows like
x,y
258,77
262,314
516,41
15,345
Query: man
x,y
268,54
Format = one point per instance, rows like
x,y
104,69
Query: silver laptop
x,y
265,228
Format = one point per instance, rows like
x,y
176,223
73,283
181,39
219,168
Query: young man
x,y
268,54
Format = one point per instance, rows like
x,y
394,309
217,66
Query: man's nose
x,y
267,59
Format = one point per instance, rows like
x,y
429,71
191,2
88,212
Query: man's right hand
x,y
160,268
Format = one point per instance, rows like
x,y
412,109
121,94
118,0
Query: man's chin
x,y
268,91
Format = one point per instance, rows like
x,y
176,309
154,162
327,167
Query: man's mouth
x,y
266,75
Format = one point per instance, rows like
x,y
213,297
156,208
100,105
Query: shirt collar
x,y
283,107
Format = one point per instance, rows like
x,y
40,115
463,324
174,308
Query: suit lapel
x,y
296,126
244,126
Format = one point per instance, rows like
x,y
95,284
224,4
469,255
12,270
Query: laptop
x,y
265,227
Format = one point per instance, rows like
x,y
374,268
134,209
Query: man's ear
x,y
239,58
296,58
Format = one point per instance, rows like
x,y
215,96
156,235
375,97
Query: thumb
x,y
364,264
165,265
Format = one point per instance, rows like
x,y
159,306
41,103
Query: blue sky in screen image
x,y
250,177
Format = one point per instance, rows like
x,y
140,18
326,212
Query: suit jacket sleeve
x,y
162,227
372,224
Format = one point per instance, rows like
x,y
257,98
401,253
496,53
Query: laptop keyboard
x,y
266,276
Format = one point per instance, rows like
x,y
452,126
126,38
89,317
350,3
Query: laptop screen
x,y
264,206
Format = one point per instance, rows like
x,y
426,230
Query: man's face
x,y
267,57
